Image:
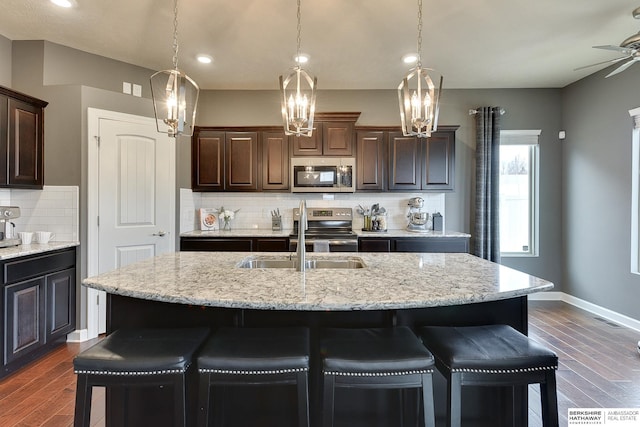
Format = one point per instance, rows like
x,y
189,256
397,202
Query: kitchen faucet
x,y
302,226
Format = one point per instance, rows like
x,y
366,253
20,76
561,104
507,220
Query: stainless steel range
x,y
326,225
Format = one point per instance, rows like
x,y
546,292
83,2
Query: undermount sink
x,y
313,263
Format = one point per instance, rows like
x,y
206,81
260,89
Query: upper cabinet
x,y
418,164
224,161
21,140
370,160
275,160
334,135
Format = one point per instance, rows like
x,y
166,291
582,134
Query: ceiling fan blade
x,y
624,50
621,68
611,61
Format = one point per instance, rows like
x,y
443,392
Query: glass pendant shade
x,y
175,98
298,91
419,103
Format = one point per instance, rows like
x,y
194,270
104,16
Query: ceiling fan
x,y
630,48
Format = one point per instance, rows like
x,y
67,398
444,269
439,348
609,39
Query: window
x,y
519,155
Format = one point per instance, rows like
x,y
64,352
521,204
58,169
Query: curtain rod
x,y
501,111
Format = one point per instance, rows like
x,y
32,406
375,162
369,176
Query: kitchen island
x,y
210,288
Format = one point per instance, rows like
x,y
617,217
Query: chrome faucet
x,y
302,226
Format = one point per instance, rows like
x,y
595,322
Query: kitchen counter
x,y
265,232
33,248
404,233
389,281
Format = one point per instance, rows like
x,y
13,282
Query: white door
x,y
135,197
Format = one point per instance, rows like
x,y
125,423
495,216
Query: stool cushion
x,y
142,351
486,348
373,350
256,350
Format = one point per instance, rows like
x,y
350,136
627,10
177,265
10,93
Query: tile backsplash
x,y
54,208
255,208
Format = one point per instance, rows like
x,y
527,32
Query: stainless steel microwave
x,y
323,174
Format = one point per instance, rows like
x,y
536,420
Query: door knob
x,y
159,233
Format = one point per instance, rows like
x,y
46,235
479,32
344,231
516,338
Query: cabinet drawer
x,y
22,268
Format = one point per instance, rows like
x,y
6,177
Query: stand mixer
x,y
7,238
418,220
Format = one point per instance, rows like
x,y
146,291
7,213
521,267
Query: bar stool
x,y
375,358
491,355
138,357
254,356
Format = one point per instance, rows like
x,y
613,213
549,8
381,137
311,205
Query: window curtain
x,y
487,225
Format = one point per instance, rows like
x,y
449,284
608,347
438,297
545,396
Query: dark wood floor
x,y
599,367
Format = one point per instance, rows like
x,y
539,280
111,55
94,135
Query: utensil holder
x,y
276,223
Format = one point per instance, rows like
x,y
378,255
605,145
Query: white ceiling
x,y
353,44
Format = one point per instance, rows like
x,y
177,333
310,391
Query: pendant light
x,y
298,91
175,95
418,97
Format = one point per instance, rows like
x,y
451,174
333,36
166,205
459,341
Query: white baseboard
x,y
79,335
621,319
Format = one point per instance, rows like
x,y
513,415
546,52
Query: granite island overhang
x,y
210,289
389,281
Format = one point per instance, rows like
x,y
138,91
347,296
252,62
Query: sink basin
x,y
312,263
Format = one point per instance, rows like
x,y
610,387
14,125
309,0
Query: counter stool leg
x,y
328,403
83,402
427,400
454,400
303,399
549,398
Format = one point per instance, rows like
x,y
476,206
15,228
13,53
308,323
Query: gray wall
x,y
72,81
597,190
5,63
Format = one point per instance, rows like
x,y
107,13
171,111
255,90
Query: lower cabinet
x,y
414,244
235,244
38,306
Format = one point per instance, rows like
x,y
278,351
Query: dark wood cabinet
x,y
422,164
334,135
275,160
241,161
38,305
21,140
207,160
413,244
370,160
235,244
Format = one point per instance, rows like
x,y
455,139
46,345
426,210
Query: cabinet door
x,y
308,146
272,244
60,306
25,145
374,245
438,162
230,245
4,104
241,161
370,160
436,244
275,161
207,161
404,162
337,138
25,311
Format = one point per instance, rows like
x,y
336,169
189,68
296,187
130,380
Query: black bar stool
x,y
491,355
375,358
254,356
138,357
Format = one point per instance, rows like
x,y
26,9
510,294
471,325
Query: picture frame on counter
x,y
208,219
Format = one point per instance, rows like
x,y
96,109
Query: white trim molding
x,y
603,312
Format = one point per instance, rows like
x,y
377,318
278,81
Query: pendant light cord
x,y
419,63
298,38
175,35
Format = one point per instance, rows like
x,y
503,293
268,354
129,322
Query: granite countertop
x,y
389,281
264,232
34,248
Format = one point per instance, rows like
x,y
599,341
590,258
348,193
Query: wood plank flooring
x,y
599,367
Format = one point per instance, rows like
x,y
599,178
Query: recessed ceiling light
x,y
410,58
64,3
205,59
301,58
